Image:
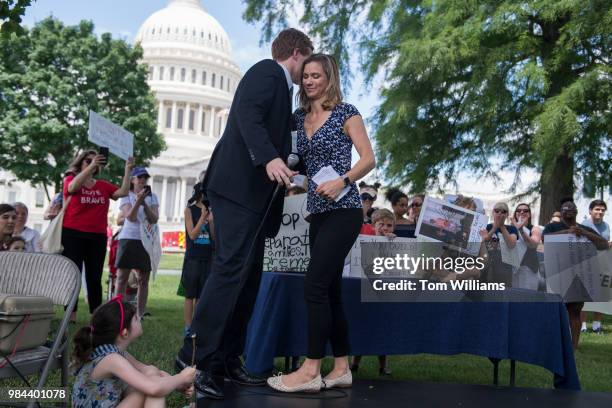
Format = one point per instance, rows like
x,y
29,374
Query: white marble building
x,y
193,76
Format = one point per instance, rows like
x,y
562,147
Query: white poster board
x,y
453,225
605,274
289,250
572,268
389,249
105,133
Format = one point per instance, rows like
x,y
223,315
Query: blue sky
x,y
123,18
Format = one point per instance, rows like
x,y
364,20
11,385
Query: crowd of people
x,y
220,290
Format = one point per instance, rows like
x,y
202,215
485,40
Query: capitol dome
x,y
193,77
185,23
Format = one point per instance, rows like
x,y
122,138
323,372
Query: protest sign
x,y
456,226
572,268
605,275
289,251
105,133
384,247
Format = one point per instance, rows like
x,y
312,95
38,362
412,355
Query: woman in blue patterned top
x,y
107,376
327,129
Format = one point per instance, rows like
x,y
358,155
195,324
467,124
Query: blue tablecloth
x,y
535,333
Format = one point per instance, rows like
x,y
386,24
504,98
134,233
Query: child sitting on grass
x,y
383,221
107,376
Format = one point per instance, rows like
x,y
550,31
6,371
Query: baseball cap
x,y
139,171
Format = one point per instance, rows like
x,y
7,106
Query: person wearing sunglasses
x,y
414,211
495,232
87,200
138,205
527,276
368,195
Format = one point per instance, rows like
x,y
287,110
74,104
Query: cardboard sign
x,y
105,133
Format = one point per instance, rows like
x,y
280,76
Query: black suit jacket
x,y
258,130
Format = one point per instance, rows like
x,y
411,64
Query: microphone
x,y
292,161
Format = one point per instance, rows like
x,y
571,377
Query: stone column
x,y
183,197
177,201
174,117
160,115
198,124
162,203
186,118
211,120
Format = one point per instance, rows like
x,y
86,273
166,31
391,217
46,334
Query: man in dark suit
x,y
246,166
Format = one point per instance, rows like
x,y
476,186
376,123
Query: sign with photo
x,y
289,250
456,226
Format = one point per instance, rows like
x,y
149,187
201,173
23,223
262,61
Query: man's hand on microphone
x,y
278,171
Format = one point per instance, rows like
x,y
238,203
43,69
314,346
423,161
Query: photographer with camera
x,y
199,236
140,204
86,217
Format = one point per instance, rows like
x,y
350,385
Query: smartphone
x,y
148,190
104,152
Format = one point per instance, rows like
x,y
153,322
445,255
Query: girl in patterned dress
x,y
107,376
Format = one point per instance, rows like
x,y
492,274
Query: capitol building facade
x,y
193,78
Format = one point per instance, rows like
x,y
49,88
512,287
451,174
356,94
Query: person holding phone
x,y
85,218
138,205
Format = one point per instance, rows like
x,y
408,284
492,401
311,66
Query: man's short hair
x,y
565,200
598,203
288,40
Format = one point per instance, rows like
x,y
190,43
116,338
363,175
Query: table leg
x,y
512,372
495,362
287,367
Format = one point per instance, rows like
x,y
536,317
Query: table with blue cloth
x,y
535,332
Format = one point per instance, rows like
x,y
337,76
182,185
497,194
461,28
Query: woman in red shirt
x,y
85,219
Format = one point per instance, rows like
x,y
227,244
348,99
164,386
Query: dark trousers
x,y
227,300
89,249
331,236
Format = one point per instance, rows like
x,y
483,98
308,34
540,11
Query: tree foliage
x,y
49,80
478,85
11,12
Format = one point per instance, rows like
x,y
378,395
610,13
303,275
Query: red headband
x,y
118,299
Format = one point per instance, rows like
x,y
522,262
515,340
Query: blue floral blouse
x,y
103,393
328,146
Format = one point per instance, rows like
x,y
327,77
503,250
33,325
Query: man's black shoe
x,y
237,373
205,384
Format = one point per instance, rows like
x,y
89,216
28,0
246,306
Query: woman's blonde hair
x,y
332,93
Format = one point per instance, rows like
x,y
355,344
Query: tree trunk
x,y
556,182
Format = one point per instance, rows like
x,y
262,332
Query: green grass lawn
x,y
171,261
162,339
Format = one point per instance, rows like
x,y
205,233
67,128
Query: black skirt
x,y
131,254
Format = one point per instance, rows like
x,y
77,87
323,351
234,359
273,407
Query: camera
x,y
148,190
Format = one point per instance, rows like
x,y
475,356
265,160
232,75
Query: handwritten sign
x,y
386,248
105,133
289,250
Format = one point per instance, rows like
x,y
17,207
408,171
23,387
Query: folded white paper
x,y
328,173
